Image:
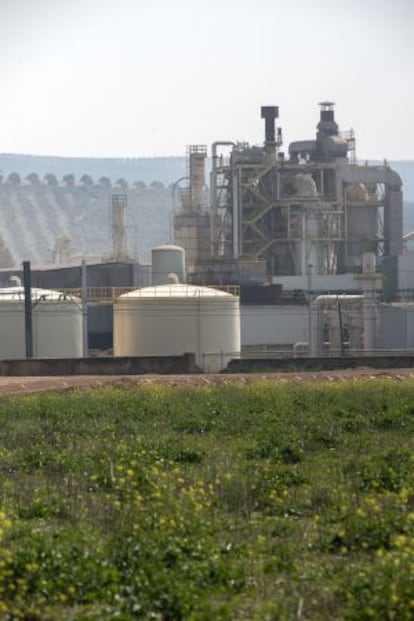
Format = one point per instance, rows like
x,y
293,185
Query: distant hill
x,y
146,169
49,223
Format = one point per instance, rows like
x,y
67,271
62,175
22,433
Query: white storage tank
x,y
175,319
166,260
56,321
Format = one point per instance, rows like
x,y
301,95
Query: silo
x,y
57,324
166,260
175,319
361,220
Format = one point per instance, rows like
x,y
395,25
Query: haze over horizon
x,y
92,78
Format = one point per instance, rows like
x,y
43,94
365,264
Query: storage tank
x,y
175,319
56,320
166,260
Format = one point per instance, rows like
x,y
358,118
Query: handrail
x,y
97,294
110,294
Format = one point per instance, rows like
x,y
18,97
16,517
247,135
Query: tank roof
x,y
169,247
176,290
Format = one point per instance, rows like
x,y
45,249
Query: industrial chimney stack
x,y
272,141
327,125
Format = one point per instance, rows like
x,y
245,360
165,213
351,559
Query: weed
x,y
262,501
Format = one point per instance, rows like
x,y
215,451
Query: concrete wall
x,y
273,325
406,271
177,365
326,282
396,326
262,365
392,332
398,275
165,365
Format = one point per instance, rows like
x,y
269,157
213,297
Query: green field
x,y
267,501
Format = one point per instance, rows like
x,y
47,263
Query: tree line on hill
x,y
70,181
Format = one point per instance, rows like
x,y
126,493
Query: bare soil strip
x,y
29,385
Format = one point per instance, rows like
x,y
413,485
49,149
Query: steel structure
x,y
315,207
191,226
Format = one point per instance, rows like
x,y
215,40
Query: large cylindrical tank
x,y
166,260
175,319
56,320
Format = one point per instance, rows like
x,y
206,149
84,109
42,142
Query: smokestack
x,y
327,125
270,114
119,207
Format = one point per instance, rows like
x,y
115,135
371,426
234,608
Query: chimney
x,y
270,114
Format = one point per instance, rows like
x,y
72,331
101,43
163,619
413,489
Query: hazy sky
x,y
148,77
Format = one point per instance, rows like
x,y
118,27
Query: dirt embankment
x,y
29,385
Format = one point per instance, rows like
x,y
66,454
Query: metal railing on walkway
x,y
108,295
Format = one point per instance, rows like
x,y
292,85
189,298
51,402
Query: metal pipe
x,y
235,214
28,322
370,321
341,328
84,309
311,351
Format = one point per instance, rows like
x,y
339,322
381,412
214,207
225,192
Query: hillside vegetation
x,y
38,218
132,169
268,501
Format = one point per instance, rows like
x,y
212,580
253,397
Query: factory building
x,y
309,240
302,222
274,218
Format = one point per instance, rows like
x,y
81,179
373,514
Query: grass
x,y
259,502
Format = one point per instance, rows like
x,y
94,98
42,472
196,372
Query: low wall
x,y
185,364
165,365
260,365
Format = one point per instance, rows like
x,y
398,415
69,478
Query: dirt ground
x,y
29,385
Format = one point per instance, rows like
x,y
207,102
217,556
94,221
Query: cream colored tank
x,y
166,260
56,320
175,319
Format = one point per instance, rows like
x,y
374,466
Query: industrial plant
x,y
271,252
273,218
313,239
